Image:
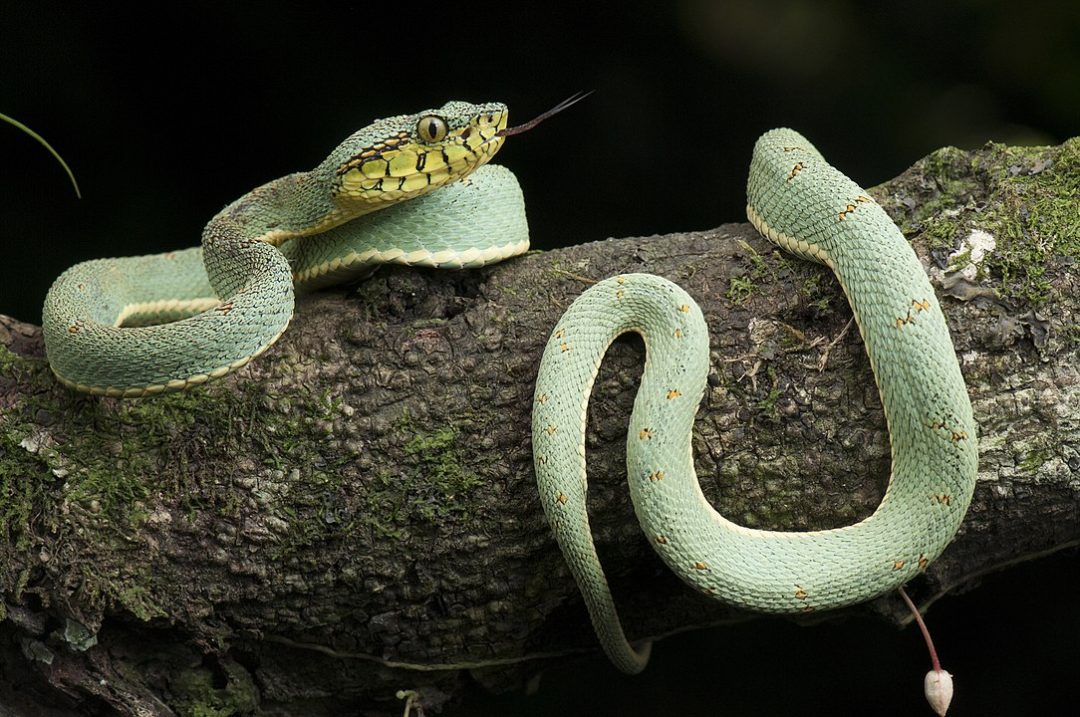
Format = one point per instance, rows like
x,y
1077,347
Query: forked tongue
x,y
571,100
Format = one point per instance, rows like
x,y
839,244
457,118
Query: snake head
x,y
404,157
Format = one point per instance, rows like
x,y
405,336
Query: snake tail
x,y
808,208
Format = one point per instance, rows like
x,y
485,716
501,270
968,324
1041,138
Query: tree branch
x,y
355,512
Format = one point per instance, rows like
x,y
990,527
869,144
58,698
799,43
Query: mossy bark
x,y
362,495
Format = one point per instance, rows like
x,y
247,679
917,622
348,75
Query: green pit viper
x,y
144,325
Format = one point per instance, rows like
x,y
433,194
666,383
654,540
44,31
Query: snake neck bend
x,y
293,206
809,208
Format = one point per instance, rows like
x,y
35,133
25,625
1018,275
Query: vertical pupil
x,y
433,127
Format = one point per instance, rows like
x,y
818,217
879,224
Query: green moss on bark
x,y
1025,197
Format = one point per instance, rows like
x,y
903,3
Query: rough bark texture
x,y
362,495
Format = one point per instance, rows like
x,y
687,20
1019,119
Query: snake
x,y
410,189
418,190
810,209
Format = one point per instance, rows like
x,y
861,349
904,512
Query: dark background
x,y
167,114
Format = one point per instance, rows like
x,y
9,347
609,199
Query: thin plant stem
x,y
41,140
934,662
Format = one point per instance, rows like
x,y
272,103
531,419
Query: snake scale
x,y
139,326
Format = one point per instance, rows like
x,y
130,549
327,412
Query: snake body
x,y
137,326
807,207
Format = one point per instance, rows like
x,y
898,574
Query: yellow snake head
x,y
404,157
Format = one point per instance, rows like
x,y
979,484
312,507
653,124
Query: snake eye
x,y
431,128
